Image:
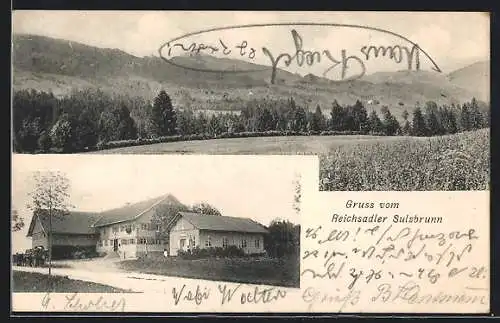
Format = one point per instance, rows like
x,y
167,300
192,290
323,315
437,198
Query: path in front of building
x,y
94,264
135,282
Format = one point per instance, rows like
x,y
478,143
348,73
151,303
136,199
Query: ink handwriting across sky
x,y
299,50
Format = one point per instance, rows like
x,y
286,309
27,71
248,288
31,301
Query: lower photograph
x,y
176,225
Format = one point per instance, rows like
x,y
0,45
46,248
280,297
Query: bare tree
x,y
17,221
50,197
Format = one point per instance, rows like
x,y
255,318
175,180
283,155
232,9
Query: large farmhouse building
x,y
69,232
128,231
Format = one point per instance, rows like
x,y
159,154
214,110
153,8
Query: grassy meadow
x,y
363,163
24,282
268,271
448,163
278,145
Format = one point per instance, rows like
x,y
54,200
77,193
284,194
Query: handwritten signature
x,y
300,56
75,302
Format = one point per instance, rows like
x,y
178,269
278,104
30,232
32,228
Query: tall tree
x,y
163,215
374,123
390,125
432,121
201,123
300,120
406,129
418,126
448,120
205,209
214,125
359,117
465,118
318,120
62,133
283,239
163,118
265,120
337,117
476,117
117,124
50,199
185,122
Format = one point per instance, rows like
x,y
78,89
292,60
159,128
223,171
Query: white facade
x,y
130,239
184,236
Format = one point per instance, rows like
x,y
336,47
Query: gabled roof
x,y
222,223
72,223
133,211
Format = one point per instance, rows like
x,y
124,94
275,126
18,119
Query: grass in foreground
x,y
280,272
449,163
24,282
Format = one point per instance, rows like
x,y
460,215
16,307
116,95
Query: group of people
x,y
35,257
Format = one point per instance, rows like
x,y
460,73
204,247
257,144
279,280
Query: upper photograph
x,y
388,100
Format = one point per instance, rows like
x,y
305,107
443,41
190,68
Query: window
x,y
208,242
225,242
257,243
131,241
115,229
105,242
158,227
243,243
122,228
124,241
144,226
110,242
104,231
100,243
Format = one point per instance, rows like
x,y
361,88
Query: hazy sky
x,y
257,187
451,39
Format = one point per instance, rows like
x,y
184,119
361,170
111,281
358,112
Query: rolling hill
x,y
60,66
475,77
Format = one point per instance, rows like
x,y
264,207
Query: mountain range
x,y
61,66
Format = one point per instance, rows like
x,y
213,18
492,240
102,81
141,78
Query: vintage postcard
x,y
250,162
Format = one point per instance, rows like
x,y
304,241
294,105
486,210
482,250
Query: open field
x,y
362,163
25,282
448,163
248,146
281,272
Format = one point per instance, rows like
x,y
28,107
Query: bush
x,y
73,252
199,253
205,136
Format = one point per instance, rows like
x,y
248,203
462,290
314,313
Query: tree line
x,y
86,118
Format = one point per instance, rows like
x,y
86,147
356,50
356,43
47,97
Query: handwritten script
x,y
349,65
81,303
385,261
227,294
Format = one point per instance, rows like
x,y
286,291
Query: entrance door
x,y
182,244
115,245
